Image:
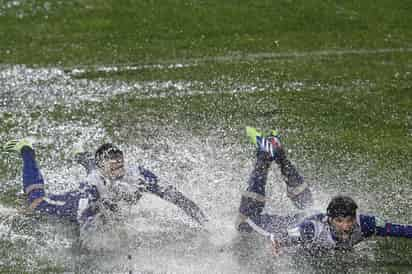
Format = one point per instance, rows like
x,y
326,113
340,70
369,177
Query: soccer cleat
x,y
17,145
254,135
269,144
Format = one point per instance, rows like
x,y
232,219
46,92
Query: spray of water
x,y
212,169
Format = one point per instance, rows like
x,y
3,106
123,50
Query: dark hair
x,y
341,206
105,152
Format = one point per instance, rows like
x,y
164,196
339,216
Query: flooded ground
x,y
205,155
174,83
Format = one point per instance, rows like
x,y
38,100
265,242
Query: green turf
x,y
13,256
96,32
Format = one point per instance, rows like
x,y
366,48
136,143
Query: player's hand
x,y
276,248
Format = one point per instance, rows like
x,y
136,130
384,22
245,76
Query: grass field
x,y
334,76
105,32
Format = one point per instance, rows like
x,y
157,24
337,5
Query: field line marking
x,y
235,57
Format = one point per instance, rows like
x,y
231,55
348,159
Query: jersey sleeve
x,y
171,194
372,225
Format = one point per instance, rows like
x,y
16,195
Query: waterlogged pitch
x,y
174,83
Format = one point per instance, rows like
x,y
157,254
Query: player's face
x,y
343,226
114,168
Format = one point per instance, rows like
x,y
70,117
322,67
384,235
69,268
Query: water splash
x,y
212,169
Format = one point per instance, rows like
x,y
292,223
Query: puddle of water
x,y
31,88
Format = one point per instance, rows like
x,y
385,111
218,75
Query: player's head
x,y
109,159
341,212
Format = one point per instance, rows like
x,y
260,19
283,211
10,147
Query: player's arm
x,y
303,232
372,225
86,159
171,194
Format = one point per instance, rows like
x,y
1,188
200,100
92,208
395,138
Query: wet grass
x,y
8,197
13,261
325,105
346,103
96,32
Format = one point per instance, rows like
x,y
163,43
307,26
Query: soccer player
x,y
340,228
109,186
